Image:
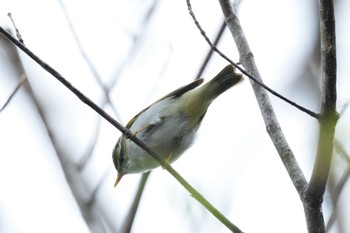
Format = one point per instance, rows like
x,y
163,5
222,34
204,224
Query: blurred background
x,y
56,170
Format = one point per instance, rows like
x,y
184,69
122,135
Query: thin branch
x,y
72,174
22,79
271,122
67,84
77,187
211,51
97,77
137,42
86,58
125,132
19,36
215,43
254,78
340,150
344,178
344,108
129,220
90,146
106,90
339,187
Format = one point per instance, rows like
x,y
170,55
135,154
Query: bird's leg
x,y
143,128
166,161
131,134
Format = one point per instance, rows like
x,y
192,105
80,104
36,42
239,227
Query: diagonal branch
x,y
130,218
211,51
21,81
257,80
81,194
85,201
125,132
268,114
340,150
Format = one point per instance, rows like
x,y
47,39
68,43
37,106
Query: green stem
x,y
196,195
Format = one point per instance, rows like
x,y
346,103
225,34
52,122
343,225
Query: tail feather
x,y
197,100
222,82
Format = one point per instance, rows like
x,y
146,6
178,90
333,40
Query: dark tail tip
x,y
226,79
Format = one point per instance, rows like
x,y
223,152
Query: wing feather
x,y
175,94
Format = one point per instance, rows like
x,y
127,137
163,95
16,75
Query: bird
x,y
169,125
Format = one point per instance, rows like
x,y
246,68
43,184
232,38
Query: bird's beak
x,y
120,176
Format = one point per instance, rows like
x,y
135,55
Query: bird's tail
x,y
221,82
198,99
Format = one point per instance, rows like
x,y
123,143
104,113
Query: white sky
x,y
233,163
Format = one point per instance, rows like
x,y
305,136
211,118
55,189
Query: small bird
x,y
168,126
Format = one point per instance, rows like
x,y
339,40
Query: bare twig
x,y
87,155
106,90
255,79
137,42
72,174
211,51
19,37
68,85
22,79
336,191
338,188
90,146
86,58
129,220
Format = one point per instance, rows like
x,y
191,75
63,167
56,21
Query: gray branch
x,y
272,126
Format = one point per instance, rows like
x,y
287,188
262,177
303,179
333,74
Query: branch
x,y
340,150
329,116
268,114
125,132
327,121
88,209
211,51
255,79
130,218
22,79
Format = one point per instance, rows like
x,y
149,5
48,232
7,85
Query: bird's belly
x,y
170,147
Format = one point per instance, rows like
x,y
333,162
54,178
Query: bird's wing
x,y
175,94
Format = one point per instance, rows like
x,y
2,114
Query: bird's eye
x,y
121,158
